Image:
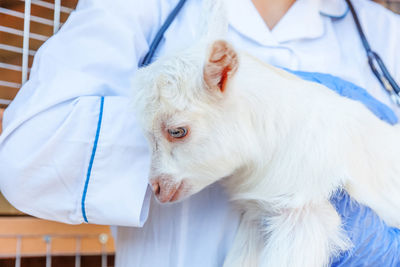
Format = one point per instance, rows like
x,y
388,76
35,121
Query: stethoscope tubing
x,y
160,34
390,84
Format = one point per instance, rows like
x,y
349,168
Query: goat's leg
x,y
303,237
245,251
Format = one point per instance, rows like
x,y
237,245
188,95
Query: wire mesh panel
x,y
24,27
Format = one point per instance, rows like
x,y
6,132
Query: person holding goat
x,y
69,143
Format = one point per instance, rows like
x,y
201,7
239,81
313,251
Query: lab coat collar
x,y
336,9
304,20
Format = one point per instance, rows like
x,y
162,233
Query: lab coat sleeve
x,y
71,150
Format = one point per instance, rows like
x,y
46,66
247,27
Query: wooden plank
x,y
8,92
16,40
18,23
66,3
40,11
13,58
10,75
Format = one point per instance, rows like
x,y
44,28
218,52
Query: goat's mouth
x,y
165,191
178,193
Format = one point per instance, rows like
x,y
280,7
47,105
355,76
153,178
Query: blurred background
x,y
394,5
24,240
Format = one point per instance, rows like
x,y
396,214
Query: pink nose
x,y
156,188
165,188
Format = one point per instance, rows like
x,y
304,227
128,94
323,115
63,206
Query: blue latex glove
x,y
352,91
375,243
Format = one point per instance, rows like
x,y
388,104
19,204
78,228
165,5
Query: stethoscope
x,y
375,62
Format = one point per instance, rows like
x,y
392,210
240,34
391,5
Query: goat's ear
x,y
220,66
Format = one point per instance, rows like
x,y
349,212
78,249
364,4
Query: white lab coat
x,y
50,129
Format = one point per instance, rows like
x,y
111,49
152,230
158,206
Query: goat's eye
x,y
179,132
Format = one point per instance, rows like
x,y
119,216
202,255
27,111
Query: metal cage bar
x,y
25,46
57,11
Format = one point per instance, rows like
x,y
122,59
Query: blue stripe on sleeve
x,y
89,171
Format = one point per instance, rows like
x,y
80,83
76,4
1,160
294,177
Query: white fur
x,y
280,145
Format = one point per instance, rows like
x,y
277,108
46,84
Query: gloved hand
x,y
375,243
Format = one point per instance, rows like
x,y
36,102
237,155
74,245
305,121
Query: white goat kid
x,y
280,145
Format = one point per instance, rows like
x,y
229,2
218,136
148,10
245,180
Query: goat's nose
x,y
156,187
164,187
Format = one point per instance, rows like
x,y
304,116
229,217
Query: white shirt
x,y
59,161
